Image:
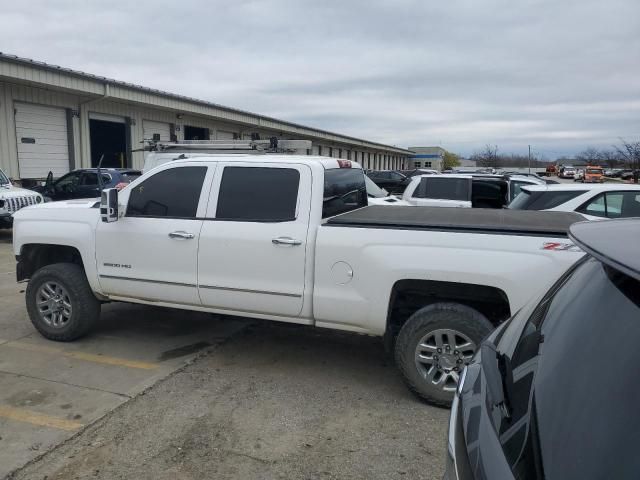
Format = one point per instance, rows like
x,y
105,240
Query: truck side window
x,y
258,194
173,193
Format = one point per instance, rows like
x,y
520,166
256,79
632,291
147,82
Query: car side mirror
x,y
109,205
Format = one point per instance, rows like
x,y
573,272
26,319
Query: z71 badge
x,y
560,247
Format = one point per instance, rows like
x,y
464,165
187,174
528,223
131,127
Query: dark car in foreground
x,y
552,394
83,183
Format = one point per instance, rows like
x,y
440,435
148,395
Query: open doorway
x,y
108,139
195,133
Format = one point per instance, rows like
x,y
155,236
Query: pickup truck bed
x,y
507,222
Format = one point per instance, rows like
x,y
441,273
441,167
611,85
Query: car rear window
x,y
444,188
535,200
344,190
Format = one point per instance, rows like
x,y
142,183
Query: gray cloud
x,y
559,75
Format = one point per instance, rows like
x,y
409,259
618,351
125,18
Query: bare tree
x,y
610,157
630,152
590,155
487,157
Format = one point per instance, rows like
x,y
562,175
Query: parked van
x,y
593,175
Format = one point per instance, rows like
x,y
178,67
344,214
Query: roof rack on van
x,y
272,145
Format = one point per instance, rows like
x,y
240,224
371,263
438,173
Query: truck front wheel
x,y
435,344
60,302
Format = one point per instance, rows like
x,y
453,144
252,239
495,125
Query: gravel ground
x,y
275,402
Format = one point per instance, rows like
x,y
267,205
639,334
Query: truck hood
x,y
81,203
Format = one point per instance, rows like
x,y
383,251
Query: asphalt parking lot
x,y
158,393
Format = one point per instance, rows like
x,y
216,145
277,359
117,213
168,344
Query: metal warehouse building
x,y
56,119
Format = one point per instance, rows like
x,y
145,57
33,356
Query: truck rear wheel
x,y
435,344
60,302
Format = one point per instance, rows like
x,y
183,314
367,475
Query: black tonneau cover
x,y
479,220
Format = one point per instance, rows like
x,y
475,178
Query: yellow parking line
x,y
89,357
39,419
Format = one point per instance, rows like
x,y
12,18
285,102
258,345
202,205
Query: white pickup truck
x,y
288,238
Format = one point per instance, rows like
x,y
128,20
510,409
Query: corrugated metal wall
x,y
82,106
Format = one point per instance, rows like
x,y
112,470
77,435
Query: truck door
x,y
151,252
253,242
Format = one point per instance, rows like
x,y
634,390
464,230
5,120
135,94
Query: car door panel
x,y
154,257
255,266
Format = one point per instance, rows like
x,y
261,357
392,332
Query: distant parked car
x,y
379,196
418,171
618,172
629,174
594,202
567,172
592,175
542,398
392,181
470,191
83,183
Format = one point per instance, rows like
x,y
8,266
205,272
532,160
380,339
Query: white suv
x,y
13,199
594,202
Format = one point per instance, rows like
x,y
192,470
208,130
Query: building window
x,y
417,164
427,164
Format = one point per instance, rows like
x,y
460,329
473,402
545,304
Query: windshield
x,y
572,369
3,179
594,171
520,201
374,190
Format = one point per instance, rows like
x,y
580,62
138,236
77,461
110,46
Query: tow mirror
x,y
109,205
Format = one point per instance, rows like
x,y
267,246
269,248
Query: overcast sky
x,y
560,75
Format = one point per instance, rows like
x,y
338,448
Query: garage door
x,y
43,145
156,130
222,135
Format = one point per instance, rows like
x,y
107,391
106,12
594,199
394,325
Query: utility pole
x,y
529,158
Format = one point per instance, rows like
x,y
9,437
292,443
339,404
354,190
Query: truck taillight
x,y
344,163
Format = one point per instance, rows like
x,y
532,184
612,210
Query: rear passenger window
x,y
258,194
173,193
614,205
344,190
444,188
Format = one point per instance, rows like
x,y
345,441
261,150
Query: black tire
x,y
452,316
85,307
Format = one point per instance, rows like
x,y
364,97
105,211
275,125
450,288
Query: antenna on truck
x,y
100,184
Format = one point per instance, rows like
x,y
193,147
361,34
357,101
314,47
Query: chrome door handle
x,y
181,234
286,241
